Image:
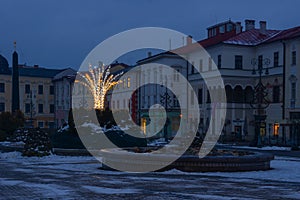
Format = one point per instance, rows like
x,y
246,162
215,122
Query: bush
x,y
37,142
10,122
66,140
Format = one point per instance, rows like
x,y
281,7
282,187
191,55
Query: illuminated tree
x,y
98,80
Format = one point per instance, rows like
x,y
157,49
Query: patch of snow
x,y
96,128
266,148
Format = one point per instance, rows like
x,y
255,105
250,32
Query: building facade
x,y
36,98
238,54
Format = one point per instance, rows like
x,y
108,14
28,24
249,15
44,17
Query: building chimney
x,y
189,40
250,24
238,27
149,54
263,27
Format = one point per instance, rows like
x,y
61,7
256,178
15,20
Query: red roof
x,y
247,38
205,43
251,37
286,34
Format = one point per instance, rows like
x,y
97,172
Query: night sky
x,y
60,33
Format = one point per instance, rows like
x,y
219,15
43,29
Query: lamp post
x,y
32,108
259,102
166,100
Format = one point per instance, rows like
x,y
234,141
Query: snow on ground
x,y
284,168
266,148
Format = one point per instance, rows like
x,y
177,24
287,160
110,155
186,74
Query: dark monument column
x,y
15,84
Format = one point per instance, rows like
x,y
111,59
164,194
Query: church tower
x,y
15,82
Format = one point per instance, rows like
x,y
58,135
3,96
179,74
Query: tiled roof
x,y
66,73
205,43
251,38
38,72
286,34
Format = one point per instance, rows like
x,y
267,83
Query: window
x,y
51,89
201,65
209,64
260,61
40,124
222,29
276,58
200,94
27,89
40,89
2,87
293,94
293,91
276,94
51,124
51,108
192,68
27,108
128,82
41,108
294,58
192,97
229,27
2,107
219,61
208,100
238,62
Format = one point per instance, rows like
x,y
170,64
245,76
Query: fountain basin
x,y
221,162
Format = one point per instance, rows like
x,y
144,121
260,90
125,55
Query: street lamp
x,y
32,107
165,99
260,102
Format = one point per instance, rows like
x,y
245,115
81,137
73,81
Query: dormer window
x,y
222,29
229,27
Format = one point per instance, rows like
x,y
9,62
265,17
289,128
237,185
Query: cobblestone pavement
x,y
44,179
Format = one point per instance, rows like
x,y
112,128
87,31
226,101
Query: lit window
x,y
276,129
128,82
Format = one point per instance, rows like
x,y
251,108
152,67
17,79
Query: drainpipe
x,y
283,79
283,86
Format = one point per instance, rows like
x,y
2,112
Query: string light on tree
x,y
98,80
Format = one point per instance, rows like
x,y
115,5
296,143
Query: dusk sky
x,y
60,34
